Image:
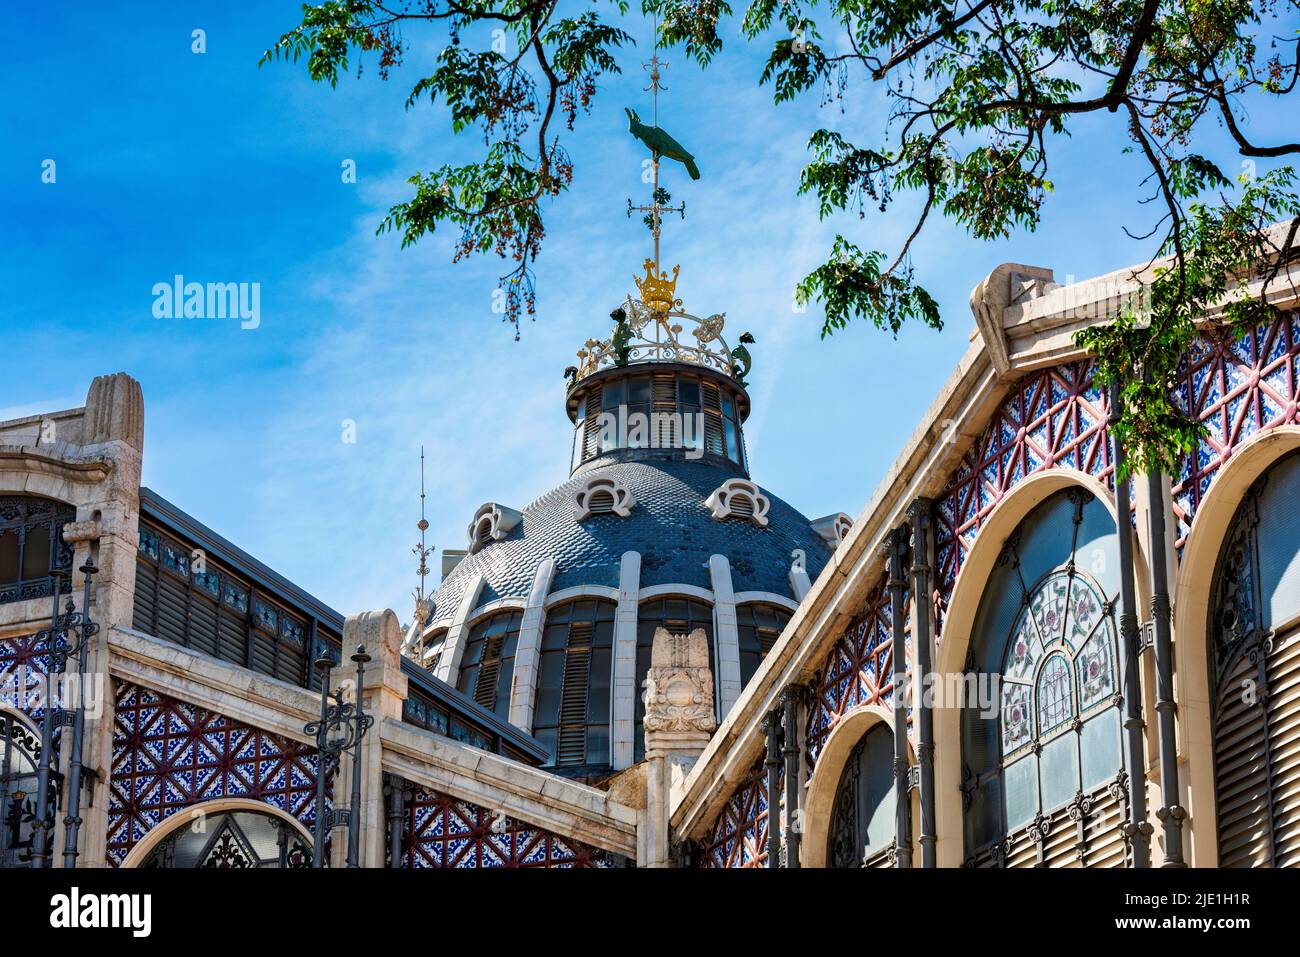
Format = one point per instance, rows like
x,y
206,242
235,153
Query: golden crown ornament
x,y
658,293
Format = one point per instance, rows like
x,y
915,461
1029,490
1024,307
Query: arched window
x,y
680,616
233,840
20,749
1044,738
862,828
760,625
32,546
1255,656
575,668
488,664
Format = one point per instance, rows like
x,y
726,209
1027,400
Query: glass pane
x,y
1279,543
36,552
1102,755
876,784
1022,791
1059,766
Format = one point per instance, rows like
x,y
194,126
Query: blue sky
x,y
205,165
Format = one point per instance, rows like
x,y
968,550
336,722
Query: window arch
x,y
863,821
1254,640
32,546
759,625
1044,738
488,664
233,840
680,616
20,748
575,670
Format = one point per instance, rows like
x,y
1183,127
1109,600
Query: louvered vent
x,y
571,743
766,639
1257,759
600,502
712,419
485,687
742,506
483,532
591,423
664,398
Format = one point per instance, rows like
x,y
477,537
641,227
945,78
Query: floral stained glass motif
x,y
1026,649
1066,618
1016,729
1096,671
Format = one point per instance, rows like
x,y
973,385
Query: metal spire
x,y
421,551
657,206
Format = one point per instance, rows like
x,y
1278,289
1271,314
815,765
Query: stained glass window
x,y
1055,699
1045,636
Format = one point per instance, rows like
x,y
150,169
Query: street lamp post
x,y
341,726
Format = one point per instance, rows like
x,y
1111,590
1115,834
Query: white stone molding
x,y
622,730
800,583
602,496
672,590
491,523
523,692
726,633
581,591
739,498
765,597
453,646
833,528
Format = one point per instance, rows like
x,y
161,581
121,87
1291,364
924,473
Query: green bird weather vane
x,y
661,145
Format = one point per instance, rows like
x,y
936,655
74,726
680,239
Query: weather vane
x,y
660,145
422,552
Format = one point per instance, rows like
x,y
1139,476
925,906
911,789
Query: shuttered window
x,y
1255,646
759,626
183,596
680,410
488,662
572,710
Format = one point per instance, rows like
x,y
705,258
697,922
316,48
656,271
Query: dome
x,y
670,525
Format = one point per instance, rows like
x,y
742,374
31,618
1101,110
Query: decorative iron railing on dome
x,y
653,328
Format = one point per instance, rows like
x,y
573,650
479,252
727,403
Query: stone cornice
x,y
538,797
266,703
80,469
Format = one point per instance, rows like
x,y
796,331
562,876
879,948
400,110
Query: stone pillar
x,y
453,646
108,530
383,693
622,730
726,633
524,686
679,720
